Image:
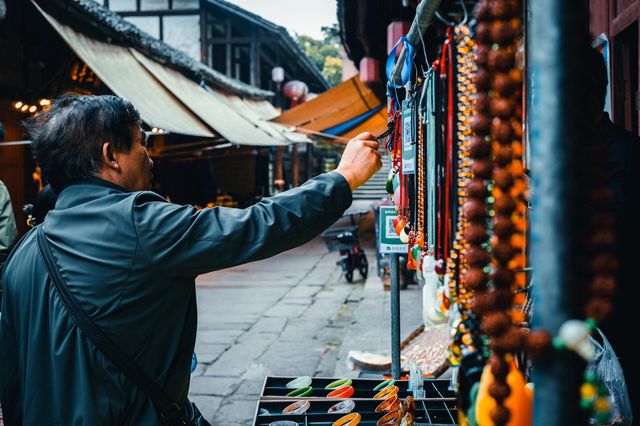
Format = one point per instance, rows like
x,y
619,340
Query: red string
x,y
450,133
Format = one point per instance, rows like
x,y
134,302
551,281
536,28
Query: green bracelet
x,y
302,392
339,384
298,383
385,384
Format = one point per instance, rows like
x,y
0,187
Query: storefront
x,y
191,112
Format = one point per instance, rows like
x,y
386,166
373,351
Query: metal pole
x,y
556,33
424,15
395,316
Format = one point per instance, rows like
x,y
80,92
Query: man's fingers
x,y
373,144
365,135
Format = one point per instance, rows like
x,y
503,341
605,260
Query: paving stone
x,y
252,381
235,410
303,301
218,337
206,353
236,360
286,311
212,385
302,291
270,325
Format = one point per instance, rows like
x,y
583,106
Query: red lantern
x,y
369,70
295,89
395,30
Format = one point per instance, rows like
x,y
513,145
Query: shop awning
x,y
127,78
225,113
262,111
343,111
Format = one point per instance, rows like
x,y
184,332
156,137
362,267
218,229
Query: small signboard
x,y
389,240
408,145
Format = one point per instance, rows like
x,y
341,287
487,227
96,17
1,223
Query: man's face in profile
x,y
136,164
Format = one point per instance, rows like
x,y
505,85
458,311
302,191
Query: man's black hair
x,y
67,138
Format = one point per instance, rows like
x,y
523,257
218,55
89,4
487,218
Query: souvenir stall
x,y
459,135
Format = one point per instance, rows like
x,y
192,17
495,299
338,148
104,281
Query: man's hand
x,y
360,160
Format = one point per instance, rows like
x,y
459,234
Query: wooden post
x,y
296,165
279,180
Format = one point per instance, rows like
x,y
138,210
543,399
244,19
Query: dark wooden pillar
x,y
296,165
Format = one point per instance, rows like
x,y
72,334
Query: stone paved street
x,y
282,316
290,315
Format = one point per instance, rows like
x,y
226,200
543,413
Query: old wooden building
x,y
225,37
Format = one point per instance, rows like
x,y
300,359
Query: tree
x,y
325,53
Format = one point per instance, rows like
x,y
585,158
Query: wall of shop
x,y
618,20
16,166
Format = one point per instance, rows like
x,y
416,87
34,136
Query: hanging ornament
x,y
399,223
404,234
389,184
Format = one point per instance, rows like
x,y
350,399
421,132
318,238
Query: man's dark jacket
x,y
131,260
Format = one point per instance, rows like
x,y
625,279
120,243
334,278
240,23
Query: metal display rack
x,y
428,412
437,407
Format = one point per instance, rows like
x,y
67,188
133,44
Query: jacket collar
x,y
85,190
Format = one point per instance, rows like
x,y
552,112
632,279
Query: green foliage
x,y
325,53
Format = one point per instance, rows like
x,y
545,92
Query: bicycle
x,y
345,241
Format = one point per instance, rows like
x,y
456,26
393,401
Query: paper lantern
x,y
369,70
295,89
395,30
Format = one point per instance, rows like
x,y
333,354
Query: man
x,y
8,229
623,176
130,258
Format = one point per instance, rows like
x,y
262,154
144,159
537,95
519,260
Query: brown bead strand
x,y
597,243
498,123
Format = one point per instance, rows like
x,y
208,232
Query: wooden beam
x,y
228,49
253,59
257,71
225,40
278,164
179,12
204,57
626,18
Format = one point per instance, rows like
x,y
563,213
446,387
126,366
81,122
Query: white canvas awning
x,y
127,78
214,107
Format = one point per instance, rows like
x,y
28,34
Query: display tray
x,y
275,388
428,412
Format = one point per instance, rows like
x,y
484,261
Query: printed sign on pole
x,y
389,241
408,145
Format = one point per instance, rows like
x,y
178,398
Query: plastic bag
x,y
609,372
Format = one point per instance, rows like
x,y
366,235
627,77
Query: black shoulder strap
x,y
169,411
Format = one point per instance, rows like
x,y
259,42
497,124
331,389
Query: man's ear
x,y
109,157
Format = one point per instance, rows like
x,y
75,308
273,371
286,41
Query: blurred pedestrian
x,y
8,230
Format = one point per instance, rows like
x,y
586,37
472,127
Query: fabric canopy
x,y
215,108
346,110
261,111
127,78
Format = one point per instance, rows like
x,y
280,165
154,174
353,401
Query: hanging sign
x,y
389,241
408,145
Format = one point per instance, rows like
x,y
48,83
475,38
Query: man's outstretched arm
x,y
181,240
